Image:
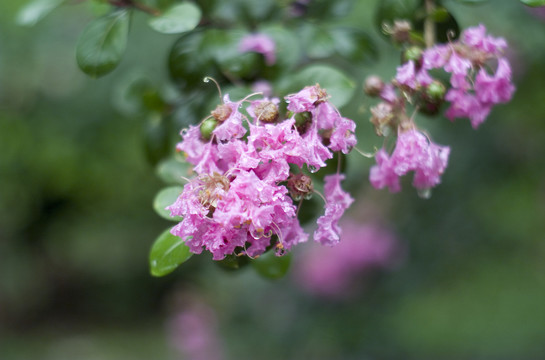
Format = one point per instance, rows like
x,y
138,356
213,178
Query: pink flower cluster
x,y
472,93
413,152
473,89
245,195
336,272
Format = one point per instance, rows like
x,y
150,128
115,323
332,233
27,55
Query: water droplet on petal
x,y
312,169
424,193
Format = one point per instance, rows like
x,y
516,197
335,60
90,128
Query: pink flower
x,y
388,94
464,104
264,87
306,99
231,127
336,272
259,43
477,38
406,75
413,152
193,332
495,89
343,138
383,174
238,201
435,57
457,64
328,231
316,153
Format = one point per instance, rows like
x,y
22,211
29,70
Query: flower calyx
x,y
300,186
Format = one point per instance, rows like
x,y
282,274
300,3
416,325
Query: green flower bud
x,y
436,91
413,53
207,127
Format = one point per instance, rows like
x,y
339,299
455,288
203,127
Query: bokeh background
x,y
76,221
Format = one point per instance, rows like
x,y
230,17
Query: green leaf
x,y
35,11
164,198
177,19
167,253
188,64
440,14
336,83
354,44
102,43
233,262
129,93
172,170
156,138
472,1
533,3
318,41
271,266
288,48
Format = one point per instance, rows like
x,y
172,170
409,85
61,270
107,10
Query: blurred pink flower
x,y
259,43
335,271
193,333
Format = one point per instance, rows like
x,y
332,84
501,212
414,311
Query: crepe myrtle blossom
x,y
251,174
336,273
259,43
413,152
474,88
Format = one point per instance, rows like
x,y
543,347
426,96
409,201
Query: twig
x,y
429,24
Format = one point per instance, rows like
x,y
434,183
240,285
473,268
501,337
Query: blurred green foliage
x,y
77,186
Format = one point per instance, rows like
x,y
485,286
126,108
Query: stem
x,y
146,9
136,5
429,24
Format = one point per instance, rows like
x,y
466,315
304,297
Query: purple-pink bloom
x,y
343,138
306,99
315,152
383,174
193,332
457,64
464,104
495,89
259,43
264,87
388,94
477,38
328,231
413,152
238,201
232,126
406,75
336,272
436,57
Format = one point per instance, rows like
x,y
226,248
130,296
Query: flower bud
x,y
207,127
381,116
373,85
413,53
432,98
266,111
400,32
221,112
436,91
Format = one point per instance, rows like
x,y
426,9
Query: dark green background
x,y
76,221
